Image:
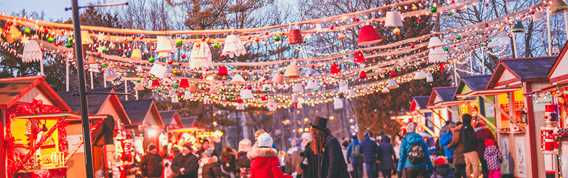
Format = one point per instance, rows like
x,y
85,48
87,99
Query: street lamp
x,y
80,69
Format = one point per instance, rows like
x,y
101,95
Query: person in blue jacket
x,y
355,157
414,155
445,139
370,152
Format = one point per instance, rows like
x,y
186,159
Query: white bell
x,y
200,56
393,19
159,70
32,52
436,51
175,99
343,86
206,100
165,46
337,103
233,47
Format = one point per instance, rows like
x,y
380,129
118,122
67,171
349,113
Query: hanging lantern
x,y
419,75
337,103
159,70
429,78
200,56
368,35
558,6
359,57
436,51
292,71
32,52
246,93
295,36
238,79
13,34
391,84
277,78
362,75
518,27
233,47
393,19
184,83
334,69
164,46
222,71
136,54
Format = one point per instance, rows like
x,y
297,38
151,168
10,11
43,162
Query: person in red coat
x,y
264,159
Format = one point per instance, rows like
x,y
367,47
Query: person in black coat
x,y
186,164
308,164
370,151
470,144
329,160
151,164
387,158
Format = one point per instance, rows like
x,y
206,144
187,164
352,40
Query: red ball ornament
x,y
358,57
363,75
393,73
334,69
183,56
222,71
264,98
170,61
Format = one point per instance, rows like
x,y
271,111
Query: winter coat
x,y
213,170
352,156
332,164
468,137
309,162
387,155
228,162
189,162
445,139
151,165
369,149
265,164
481,134
493,157
456,143
242,160
410,139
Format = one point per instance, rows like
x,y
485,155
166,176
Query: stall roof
x,y
95,100
14,89
475,83
188,121
419,102
442,95
169,116
559,70
509,71
137,110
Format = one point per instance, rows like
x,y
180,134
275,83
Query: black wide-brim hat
x,y
320,123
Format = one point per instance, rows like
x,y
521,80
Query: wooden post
x,y
531,129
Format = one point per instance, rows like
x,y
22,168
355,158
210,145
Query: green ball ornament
x,y
277,38
69,44
458,37
104,65
217,45
179,43
434,9
175,85
446,49
27,30
151,59
50,39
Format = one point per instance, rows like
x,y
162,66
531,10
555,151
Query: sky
x,y
53,9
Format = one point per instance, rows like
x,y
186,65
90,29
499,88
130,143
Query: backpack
x,y
356,151
416,154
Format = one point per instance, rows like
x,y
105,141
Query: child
x,y
441,168
493,157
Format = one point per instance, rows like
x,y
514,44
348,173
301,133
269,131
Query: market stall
x,y
420,114
147,124
518,117
172,119
481,106
444,107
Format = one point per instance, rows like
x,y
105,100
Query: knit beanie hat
x,y
245,145
264,140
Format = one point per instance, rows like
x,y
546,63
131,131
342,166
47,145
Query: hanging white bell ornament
x,y
159,70
436,51
32,52
393,19
165,46
187,95
391,84
233,47
175,99
200,56
429,78
246,94
298,88
337,103
419,75
385,90
238,78
206,100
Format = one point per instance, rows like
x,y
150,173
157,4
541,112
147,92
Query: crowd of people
x,y
462,150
